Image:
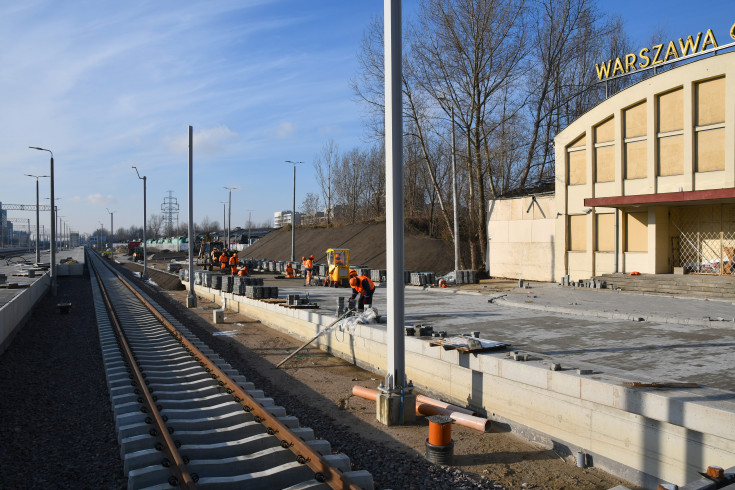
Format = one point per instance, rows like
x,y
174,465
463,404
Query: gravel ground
x,y
57,429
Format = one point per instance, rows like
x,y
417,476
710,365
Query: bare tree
x,y
324,164
155,225
311,204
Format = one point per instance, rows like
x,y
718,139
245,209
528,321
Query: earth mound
x,y
367,244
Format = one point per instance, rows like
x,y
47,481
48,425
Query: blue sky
x,y
108,85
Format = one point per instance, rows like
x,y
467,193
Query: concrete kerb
x,y
596,413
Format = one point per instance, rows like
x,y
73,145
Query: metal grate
x,y
706,238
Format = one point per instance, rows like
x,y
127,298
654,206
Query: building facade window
x,y
605,232
710,125
635,141
578,233
577,161
671,132
636,232
605,151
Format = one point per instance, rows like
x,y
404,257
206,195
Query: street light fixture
x,y
112,234
38,224
145,225
293,211
229,213
224,218
52,268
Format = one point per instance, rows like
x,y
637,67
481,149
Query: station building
x,y
645,181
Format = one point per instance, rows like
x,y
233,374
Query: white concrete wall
x,y
521,243
14,313
646,437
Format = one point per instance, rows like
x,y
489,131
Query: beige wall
x,y
521,244
672,132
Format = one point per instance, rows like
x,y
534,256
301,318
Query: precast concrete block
x,y
564,384
525,373
450,356
489,364
414,344
597,392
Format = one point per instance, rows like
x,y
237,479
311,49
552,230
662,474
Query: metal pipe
x,y
424,408
191,299
293,212
396,377
371,394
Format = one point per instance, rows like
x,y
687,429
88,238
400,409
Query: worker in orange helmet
x,y
363,286
243,272
353,273
233,263
289,270
223,261
308,266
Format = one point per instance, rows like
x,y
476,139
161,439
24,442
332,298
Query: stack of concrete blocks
x,y
217,281
340,306
407,277
261,292
198,277
296,300
422,278
207,278
378,275
363,271
227,283
184,275
272,266
466,276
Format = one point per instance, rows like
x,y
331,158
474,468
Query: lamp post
x,y
229,213
61,231
52,268
224,217
38,224
145,225
99,237
112,234
293,211
454,196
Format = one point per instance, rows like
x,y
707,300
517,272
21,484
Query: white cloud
x,y
285,129
100,200
207,141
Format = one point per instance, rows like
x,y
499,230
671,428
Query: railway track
x,y
184,418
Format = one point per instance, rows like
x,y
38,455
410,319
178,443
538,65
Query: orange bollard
x,y
439,445
440,430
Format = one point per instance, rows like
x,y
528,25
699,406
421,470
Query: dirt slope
x,y
365,241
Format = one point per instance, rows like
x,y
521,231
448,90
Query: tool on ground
x,y
636,384
327,329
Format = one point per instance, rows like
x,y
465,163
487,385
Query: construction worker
x,y
363,286
223,261
289,270
338,260
233,263
308,266
243,271
353,273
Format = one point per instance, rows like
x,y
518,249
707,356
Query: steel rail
x,y
183,479
323,471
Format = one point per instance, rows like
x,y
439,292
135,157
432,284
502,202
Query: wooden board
x,y
461,344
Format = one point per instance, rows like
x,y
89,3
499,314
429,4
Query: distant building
x,y
283,218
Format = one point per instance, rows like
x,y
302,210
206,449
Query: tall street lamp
x,y
38,224
145,225
224,218
454,198
99,237
293,211
112,234
52,269
229,213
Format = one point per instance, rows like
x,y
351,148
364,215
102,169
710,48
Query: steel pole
x,y
293,216
38,226
145,226
394,204
52,267
454,199
229,217
191,299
